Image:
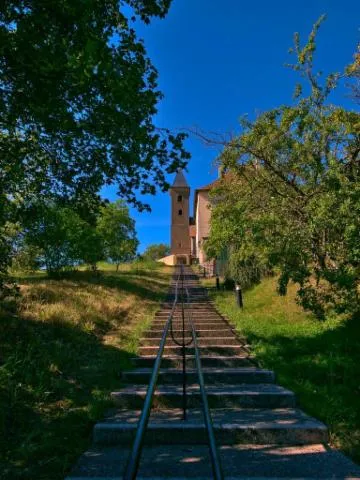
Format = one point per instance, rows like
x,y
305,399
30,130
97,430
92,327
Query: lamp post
x,y
238,296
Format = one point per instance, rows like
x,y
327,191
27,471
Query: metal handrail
x,y
183,346
135,454
134,457
214,454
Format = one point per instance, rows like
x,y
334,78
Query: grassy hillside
x,y
320,361
63,345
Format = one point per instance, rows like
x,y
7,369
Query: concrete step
x,y
204,350
227,396
202,341
197,311
231,426
196,316
204,325
211,376
201,322
196,308
239,462
200,332
173,361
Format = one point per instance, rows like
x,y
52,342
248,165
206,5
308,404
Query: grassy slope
x,y
62,348
320,361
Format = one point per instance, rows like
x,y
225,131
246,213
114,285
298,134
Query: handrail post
x,y
183,345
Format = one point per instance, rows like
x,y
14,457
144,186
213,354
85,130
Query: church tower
x,y
180,236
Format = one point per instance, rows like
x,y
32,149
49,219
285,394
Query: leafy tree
x,y
26,259
78,95
7,234
353,73
156,251
63,239
295,203
117,230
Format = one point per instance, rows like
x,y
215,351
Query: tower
x,y
180,236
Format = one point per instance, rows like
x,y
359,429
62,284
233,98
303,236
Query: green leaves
x,y
117,230
78,94
291,199
156,251
78,82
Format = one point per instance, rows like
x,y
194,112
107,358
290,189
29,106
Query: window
x,y
180,211
179,245
179,198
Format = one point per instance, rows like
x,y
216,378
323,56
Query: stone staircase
x,y
259,431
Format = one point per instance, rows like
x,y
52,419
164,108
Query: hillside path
x,y
260,431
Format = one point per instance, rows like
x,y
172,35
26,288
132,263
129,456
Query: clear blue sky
x,y
221,59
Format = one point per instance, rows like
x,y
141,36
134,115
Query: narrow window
x,y
179,198
179,245
180,211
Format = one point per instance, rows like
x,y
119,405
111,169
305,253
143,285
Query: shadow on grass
x,y
54,382
324,370
63,345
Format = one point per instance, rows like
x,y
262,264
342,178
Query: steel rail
x,y
214,454
183,344
132,465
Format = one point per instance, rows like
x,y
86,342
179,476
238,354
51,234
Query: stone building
x,y
188,233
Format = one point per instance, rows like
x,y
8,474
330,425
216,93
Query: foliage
x,y
319,361
26,259
63,239
292,199
353,73
156,251
78,95
7,233
117,230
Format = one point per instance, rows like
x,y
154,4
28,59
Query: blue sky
x,y
221,59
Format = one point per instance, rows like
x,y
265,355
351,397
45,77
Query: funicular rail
x,y
184,300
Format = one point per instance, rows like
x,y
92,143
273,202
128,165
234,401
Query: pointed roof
x,y
180,180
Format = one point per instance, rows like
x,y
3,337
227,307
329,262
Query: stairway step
x,y
210,310
196,316
239,462
200,332
202,341
242,395
199,325
231,426
200,320
211,376
169,361
204,350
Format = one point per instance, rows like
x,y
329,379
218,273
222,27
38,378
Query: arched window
x,y
179,198
180,211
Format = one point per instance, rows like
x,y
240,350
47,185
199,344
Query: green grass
x,y
63,345
319,361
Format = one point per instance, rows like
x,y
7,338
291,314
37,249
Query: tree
x,y
353,73
117,230
156,251
78,95
63,239
295,203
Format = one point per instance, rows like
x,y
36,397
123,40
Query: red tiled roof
x,y
210,185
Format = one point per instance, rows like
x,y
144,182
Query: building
x,y
189,233
180,244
